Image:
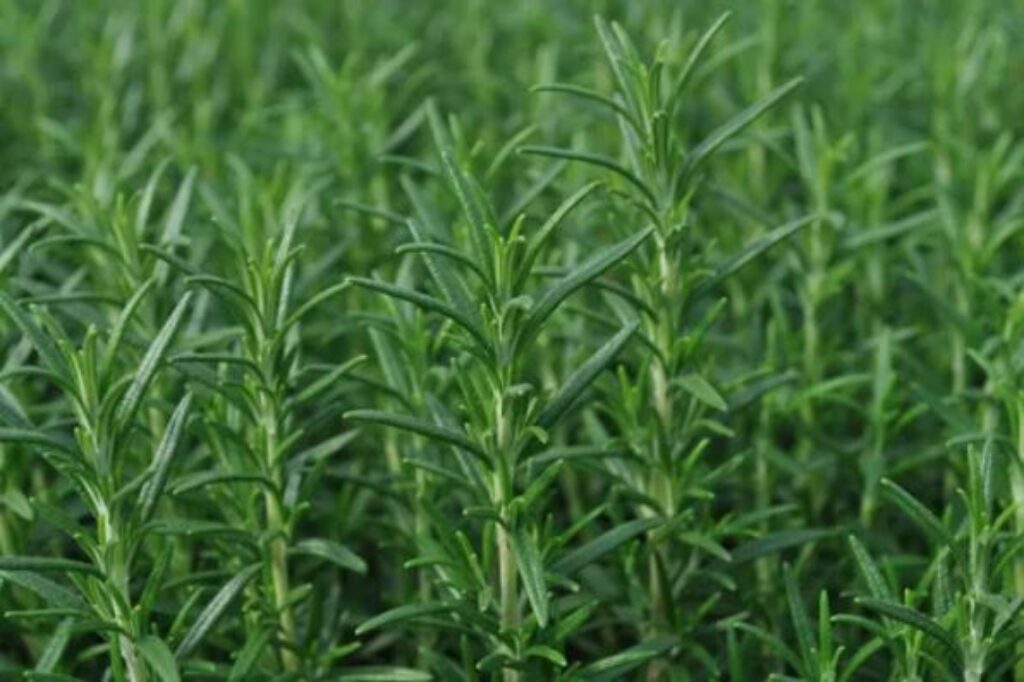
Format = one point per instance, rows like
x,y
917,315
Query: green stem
x,y
135,668
277,529
509,590
122,646
278,551
508,583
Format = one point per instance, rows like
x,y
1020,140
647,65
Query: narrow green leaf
x,y
693,59
531,568
200,479
583,376
160,659
591,95
179,208
34,676
52,655
540,485
249,656
11,412
313,302
616,666
603,544
390,360
47,350
918,621
49,591
382,673
160,467
147,195
17,245
593,267
46,564
150,363
752,251
801,622
442,250
702,390
213,611
328,380
546,653
452,287
402,614
736,124
34,437
427,303
420,426
539,238
221,286
317,453
482,229
121,325
593,160
917,512
335,552
869,570
777,541
372,211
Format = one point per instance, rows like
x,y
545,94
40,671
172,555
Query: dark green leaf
x,y
582,377
213,611
603,544
334,552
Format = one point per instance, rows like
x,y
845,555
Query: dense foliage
x,y
471,340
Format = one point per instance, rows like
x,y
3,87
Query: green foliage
x,y
478,341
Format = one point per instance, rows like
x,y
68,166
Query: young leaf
x,y
483,229
693,59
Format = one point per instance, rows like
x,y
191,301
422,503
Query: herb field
x,y
524,341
